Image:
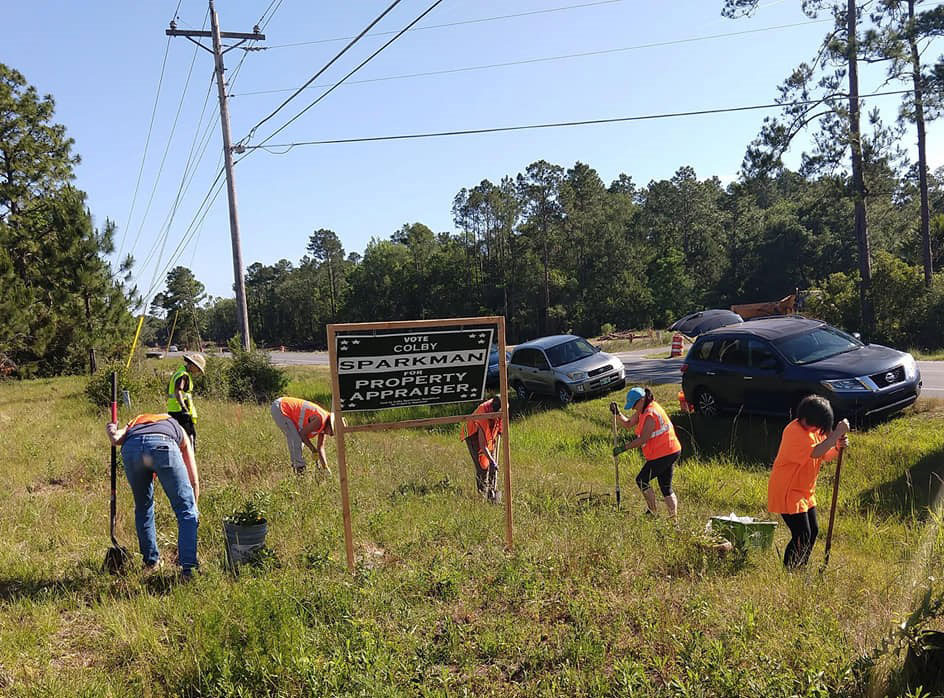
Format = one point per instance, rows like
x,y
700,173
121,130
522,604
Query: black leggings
x,y
804,528
662,468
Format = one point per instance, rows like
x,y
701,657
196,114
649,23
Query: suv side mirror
x,y
857,336
597,349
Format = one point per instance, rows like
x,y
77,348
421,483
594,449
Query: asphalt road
x,y
639,369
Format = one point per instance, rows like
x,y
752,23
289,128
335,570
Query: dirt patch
x,y
47,485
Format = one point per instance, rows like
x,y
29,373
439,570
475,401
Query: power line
x,y
170,138
286,147
672,42
352,72
324,68
454,24
265,22
147,143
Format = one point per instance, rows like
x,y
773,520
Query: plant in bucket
x,y
245,530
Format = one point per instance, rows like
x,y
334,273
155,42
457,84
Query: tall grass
x,y
591,602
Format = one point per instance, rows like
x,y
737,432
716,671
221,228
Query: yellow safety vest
x,y
172,404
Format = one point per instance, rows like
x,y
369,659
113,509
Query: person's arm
x,y
190,462
648,427
115,433
830,442
322,458
180,395
626,422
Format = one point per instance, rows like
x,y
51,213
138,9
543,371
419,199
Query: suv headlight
x,y
845,385
577,375
911,367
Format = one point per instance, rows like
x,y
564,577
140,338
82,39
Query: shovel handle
x,y
832,509
114,455
616,462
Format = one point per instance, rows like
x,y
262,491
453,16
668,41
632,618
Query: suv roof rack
x,y
796,316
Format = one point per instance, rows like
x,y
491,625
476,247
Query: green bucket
x,y
745,534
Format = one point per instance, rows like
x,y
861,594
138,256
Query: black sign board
x,y
413,367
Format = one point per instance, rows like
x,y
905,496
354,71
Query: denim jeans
x,y
143,456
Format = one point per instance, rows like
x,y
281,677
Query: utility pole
x,y
242,314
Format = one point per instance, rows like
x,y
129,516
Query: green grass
x,y
922,355
592,602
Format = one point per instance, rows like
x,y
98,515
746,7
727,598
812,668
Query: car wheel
x,y
522,392
706,403
564,396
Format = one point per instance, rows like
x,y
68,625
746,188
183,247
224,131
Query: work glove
x,y
620,448
614,408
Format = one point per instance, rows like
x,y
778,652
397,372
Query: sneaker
x,y
154,567
300,470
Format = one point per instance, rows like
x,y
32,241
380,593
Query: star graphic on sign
x,y
472,335
355,341
481,341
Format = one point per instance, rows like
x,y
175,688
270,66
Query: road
x,y
639,369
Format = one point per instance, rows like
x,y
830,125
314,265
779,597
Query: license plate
x,y
608,379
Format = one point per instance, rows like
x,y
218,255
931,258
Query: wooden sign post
x,y
382,365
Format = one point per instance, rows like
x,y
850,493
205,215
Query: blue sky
x,y
101,60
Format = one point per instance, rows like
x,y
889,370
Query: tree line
x,y
856,226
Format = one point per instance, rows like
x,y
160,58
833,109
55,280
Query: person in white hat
x,y
655,437
180,395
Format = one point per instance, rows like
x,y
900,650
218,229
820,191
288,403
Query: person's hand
x,y
111,429
614,408
842,428
843,441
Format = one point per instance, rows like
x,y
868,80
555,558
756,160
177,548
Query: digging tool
x,y
117,556
616,462
832,509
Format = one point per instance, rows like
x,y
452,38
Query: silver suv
x,y
565,366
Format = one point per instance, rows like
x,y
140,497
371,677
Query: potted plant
x,y
245,529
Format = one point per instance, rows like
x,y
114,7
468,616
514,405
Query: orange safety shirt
x,y
302,413
663,441
147,419
491,428
792,485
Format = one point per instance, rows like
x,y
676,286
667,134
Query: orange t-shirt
x,y
792,485
663,441
302,413
491,428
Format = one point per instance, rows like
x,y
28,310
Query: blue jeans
x,y
154,453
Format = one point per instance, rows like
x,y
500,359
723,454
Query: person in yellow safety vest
x,y
655,435
482,436
180,396
299,420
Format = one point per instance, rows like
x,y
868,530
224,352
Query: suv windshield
x,y
821,343
568,352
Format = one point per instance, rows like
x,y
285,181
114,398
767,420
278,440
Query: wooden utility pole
x,y
922,147
858,178
242,313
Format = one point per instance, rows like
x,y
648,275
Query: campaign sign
x,y
413,367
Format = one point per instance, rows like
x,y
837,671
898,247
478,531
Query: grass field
x,y
592,602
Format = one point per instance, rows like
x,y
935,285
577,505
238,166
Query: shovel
x,y
117,556
616,462
832,510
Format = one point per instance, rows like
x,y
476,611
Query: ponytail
x,y
647,400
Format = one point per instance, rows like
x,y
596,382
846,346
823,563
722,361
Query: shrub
x,y
252,377
145,385
607,328
214,382
251,513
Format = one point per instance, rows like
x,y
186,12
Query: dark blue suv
x,y
766,366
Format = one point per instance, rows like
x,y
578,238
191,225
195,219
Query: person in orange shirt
x,y
481,436
655,436
807,442
299,420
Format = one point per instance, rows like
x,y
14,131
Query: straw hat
x,y
197,360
